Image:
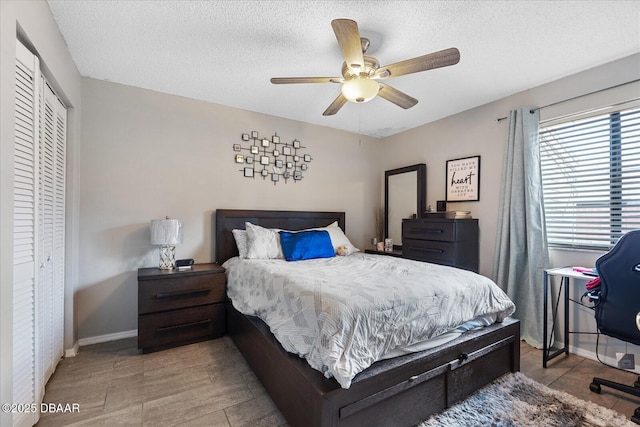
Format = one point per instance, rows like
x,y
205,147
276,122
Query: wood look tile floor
x,y
209,384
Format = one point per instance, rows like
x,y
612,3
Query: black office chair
x,y
618,310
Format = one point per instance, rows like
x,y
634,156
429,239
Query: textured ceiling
x,y
225,52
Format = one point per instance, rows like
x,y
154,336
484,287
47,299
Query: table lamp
x,y
166,233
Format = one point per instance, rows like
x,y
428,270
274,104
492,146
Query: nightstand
x,y
177,307
396,253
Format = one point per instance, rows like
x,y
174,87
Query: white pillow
x,y
338,238
263,243
240,236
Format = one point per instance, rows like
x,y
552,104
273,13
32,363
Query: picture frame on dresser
x,y
463,179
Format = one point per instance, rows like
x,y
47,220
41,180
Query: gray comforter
x,y
342,314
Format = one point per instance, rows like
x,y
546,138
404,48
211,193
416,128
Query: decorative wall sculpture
x,y
271,158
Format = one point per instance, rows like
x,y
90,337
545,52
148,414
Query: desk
x,y
565,273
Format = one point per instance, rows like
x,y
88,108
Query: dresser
x,y
177,307
451,242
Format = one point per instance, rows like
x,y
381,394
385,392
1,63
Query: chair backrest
x,y
619,271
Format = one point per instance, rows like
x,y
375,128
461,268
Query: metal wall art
x,y
270,158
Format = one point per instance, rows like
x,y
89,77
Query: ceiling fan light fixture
x,y
360,89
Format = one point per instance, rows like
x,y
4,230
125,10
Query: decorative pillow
x,y
308,244
240,236
338,238
262,243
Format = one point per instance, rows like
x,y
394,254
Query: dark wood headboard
x,y
231,219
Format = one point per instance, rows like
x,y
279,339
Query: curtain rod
x,y
499,119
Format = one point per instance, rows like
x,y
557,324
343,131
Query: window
x,y
591,179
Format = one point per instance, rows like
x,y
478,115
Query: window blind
x,y
591,179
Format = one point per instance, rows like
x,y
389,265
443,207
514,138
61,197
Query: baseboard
x,y
108,337
73,351
606,359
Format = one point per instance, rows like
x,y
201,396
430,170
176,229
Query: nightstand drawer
x,y
185,325
172,293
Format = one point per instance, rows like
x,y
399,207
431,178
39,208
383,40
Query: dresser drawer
x,y
455,254
442,230
189,324
430,251
432,230
168,293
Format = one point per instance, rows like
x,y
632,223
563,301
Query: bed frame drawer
x,y
466,371
470,374
402,391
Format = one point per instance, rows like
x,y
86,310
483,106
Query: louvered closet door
x,y
25,248
39,229
51,229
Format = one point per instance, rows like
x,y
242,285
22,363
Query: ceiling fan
x,y
362,75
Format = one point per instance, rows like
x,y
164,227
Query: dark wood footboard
x,y
402,391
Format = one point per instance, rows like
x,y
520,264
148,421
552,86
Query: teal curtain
x,y
521,241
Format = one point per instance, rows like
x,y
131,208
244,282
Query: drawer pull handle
x,y
414,377
463,357
436,251
430,231
183,325
182,294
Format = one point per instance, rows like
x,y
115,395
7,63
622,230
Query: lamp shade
x,y
360,89
166,231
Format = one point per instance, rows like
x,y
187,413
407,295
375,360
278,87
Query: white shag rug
x,y
516,400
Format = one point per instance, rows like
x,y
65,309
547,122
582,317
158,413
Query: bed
x,y
402,390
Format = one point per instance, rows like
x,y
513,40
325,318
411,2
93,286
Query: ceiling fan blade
x,y
349,40
391,94
288,80
335,105
430,61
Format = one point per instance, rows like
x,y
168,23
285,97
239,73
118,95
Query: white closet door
x,y
50,288
59,206
39,229
25,248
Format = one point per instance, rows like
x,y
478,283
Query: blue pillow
x,y
307,244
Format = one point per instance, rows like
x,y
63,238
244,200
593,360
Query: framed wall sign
x,y
463,179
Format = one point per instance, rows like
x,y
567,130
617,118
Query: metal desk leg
x,y
549,335
545,349
566,314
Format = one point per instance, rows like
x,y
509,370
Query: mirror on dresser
x,y
404,196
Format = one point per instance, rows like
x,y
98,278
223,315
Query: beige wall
x,y
476,132
33,23
146,155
